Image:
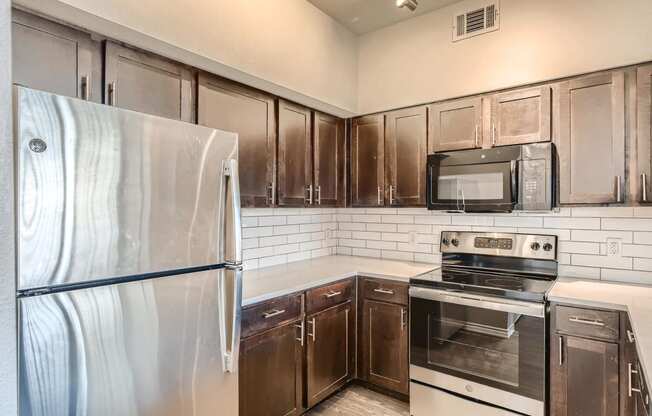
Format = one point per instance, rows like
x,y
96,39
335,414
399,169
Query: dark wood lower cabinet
x,y
330,351
271,365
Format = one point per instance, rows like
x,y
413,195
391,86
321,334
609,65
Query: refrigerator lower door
x,y
148,348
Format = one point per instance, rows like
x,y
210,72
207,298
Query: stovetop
x,y
524,287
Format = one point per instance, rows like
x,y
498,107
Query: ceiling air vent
x,y
476,22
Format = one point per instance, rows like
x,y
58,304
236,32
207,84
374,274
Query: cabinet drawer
x,y
385,290
587,322
269,314
324,297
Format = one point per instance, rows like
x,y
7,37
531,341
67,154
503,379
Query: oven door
x,y
484,187
493,342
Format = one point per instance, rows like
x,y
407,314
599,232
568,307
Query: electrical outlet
x,y
614,246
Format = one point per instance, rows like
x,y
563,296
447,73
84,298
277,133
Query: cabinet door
x,y
330,351
368,161
584,377
271,373
405,156
294,155
328,155
228,106
54,58
385,345
628,360
644,131
592,139
456,125
147,83
521,116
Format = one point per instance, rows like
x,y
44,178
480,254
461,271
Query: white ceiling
x,y
362,16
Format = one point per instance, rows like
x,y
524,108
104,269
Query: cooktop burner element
x,y
513,266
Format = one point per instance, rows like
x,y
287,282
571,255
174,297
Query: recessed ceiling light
x,y
410,4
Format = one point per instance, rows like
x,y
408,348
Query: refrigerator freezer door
x,y
145,348
106,193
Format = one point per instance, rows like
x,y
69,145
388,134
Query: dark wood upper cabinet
x,y
147,83
406,141
521,116
51,57
270,378
229,106
385,345
368,161
592,139
294,155
644,132
455,125
330,358
329,160
584,377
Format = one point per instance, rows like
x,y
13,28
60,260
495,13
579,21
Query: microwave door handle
x,y
514,181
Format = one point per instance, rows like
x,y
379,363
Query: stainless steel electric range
x,y
478,326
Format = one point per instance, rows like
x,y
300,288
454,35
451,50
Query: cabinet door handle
x,y
314,330
578,320
318,190
384,291
630,336
403,320
332,294
644,187
112,93
561,350
85,88
631,371
477,136
270,194
391,195
302,329
380,196
273,313
619,190
493,134
309,189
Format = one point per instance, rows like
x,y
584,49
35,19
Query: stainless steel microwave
x,y
500,179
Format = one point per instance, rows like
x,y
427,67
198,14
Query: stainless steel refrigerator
x,y
129,262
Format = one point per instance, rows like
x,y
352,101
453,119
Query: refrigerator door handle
x,y
230,316
232,222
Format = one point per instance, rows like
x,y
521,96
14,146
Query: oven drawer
x,y
385,290
587,322
269,314
330,295
428,401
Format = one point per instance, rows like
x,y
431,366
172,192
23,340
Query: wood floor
x,y
356,400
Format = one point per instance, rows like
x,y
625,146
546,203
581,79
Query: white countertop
x,y
269,282
635,299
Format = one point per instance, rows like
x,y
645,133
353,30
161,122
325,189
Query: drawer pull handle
x,y
631,371
384,291
332,293
594,322
273,313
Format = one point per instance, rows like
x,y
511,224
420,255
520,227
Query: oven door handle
x,y
478,301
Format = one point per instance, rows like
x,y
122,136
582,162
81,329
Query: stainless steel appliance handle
x,y
111,93
332,294
273,313
644,187
561,350
85,88
479,301
619,190
380,196
230,316
233,230
630,389
384,291
578,320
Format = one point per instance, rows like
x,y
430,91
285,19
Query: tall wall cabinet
x,y
644,131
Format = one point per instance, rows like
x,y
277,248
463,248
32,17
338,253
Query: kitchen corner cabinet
x,y
455,125
384,334
295,186
644,132
591,142
329,160
51,57
405,156
368,161
228,106
521,116
147,83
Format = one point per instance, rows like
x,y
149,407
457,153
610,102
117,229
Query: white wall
x,y
415,61
287,47
8,358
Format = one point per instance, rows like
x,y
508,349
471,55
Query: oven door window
x,y
499,349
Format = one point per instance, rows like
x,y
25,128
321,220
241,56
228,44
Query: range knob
x,y
535,246
455,242
547,247
445,241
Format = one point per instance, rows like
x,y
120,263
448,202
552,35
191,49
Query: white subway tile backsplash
x,y
414,247
309,228
397,255
310,245
382,211
253,253
267,221
579,247
643,212
572,223
643,238
472,220
273,260
365,235
603,212
249,222
397,219
287,229
301,255
633,224
286,248
534,222
366,252
627,276
613,262
643,264
432,219
257,232
388,228
365,218
382,245
345,242
633,250
579,272
272,241
402,237
419,228
427,258
249,243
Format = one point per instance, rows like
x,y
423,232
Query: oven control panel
x,y
534,246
